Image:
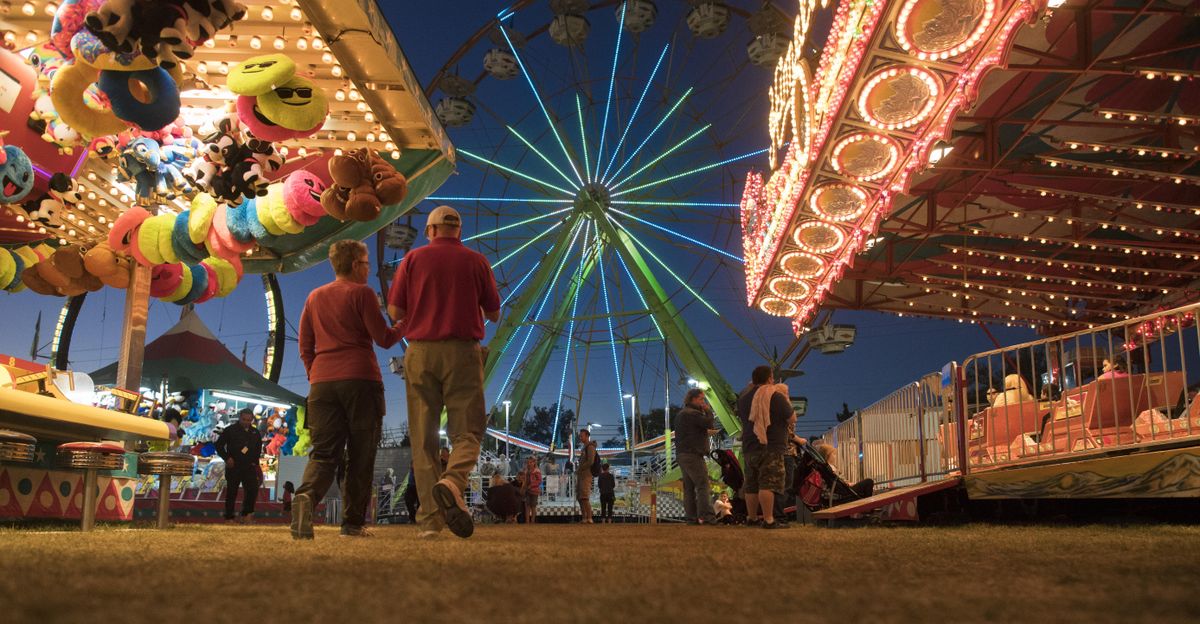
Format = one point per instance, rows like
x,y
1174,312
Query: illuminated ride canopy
x,y
1057,191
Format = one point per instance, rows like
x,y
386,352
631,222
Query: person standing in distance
x,y
583,475
693,426
442,293
240,445
345,399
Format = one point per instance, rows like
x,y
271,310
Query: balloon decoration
x,y
363,183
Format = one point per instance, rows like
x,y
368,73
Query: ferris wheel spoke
x,y
662,121
679,235
562,384
504,200
612,342
515,172
520,223
587,168
668,269
636,108
515,326
675,204
542,105
641,297
526,244
692,172
612,81
617,185
542,156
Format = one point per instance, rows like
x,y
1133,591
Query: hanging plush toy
x,y
274,104
233,170
363,183
155,175
16,175
166,31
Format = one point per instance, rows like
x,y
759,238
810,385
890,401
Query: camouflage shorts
x,y
764,471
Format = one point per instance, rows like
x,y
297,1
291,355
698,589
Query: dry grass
x,y
556,573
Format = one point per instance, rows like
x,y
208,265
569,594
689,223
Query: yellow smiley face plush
x,y
296,105
261,74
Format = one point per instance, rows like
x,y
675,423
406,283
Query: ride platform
x,y
900,504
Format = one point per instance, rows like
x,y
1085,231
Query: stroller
x,y
733,478
818,486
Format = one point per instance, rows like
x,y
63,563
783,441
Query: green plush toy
x,y
261,74
296,105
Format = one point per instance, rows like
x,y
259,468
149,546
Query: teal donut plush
x,y
199,284
188,252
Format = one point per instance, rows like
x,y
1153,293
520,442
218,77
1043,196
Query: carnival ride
x,y
604,138
1049,192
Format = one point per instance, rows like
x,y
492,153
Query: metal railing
x,y
895,441
1129,383
1124,384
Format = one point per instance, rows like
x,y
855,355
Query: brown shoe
x,y
450,501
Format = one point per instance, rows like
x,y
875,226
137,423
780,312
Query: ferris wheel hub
x,y
594,193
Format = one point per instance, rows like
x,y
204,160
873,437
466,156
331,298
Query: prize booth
x,y
171,167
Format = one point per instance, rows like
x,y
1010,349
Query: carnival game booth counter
x,y
194,373
32,403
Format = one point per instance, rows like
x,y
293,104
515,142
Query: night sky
x,y
731,94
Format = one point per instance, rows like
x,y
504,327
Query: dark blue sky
x,y
728,93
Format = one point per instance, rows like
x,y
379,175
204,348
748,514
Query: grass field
x,y
609,573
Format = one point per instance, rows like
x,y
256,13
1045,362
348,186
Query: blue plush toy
x,y
156,173
16,175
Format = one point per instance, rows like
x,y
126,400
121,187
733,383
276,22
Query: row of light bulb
x,y
10,37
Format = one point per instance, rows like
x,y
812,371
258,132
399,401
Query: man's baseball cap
x,y
444,215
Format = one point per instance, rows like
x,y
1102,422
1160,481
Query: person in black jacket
x,y
693,426
240,446
607,484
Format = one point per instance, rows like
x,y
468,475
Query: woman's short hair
x,y
691,395
343,254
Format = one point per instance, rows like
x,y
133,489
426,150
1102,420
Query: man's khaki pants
x,y
441,375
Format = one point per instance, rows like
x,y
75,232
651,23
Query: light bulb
x,y
395,155
51,9
256,42
210,43
326,57
283,151
302,44
369,117
28,8
268,14
336,71
351,136
370,137
296,14
361,106
354,95
318,43
279,43
10,37
340,95
31,37
202,67
302,151
337,152
224,68
390,146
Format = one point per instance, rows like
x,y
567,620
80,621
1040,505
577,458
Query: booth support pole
x,y
133,334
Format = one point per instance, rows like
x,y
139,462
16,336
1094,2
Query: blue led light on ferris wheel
x,y
652,132
682,282
501,200
678,204
526,244
612,344
673,148
611,82
517,224
562,384
541,104
642,297
693,171
541,307
636,108
542,156
679,234
587,168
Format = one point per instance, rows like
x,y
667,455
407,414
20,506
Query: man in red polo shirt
x,y
441,294
345,399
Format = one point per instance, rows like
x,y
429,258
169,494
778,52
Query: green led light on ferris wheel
x,y
501,200
526,244
514,172
611,82
587,168
542,156
677,204
661,156
692,172
667,116
517,224
637,289
550,120
668,269
636,108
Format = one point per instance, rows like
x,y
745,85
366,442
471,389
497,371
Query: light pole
x,y
633,436
507,431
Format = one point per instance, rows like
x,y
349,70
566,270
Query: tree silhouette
x,y
540,422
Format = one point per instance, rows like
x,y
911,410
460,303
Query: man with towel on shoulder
x,y
766,414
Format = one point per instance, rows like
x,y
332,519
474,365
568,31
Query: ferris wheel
x,y
602,150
